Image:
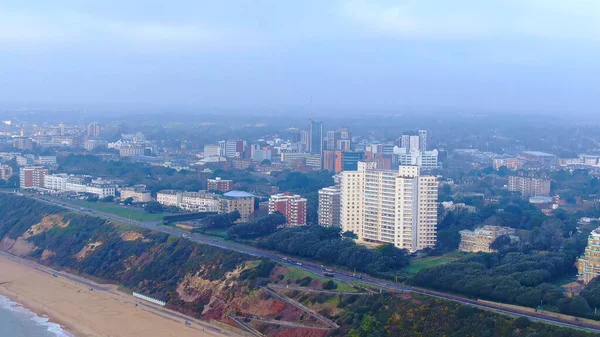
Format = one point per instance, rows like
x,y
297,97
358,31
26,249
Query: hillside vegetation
x,y
213,283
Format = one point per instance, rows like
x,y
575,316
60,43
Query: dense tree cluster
x,y
258,227
212,220
591,293
154,207
326,244
513,278
301,183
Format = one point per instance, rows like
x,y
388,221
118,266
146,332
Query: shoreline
x,y
51,325
105,311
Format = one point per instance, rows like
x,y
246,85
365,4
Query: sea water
x,y
17,321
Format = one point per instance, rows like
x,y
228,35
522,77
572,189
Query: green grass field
x,y
298,274
218,232
125,212
418,264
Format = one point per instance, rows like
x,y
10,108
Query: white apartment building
x,y
211,150
199,202
423,159
56,182
351,201
46,160
169,198
387,206
76,186
329,206
138,194
101,190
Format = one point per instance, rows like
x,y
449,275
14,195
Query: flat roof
x,y
539,153
238,194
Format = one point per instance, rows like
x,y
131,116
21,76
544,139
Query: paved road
x,y
314,268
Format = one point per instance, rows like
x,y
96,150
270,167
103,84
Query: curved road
x,y
314,268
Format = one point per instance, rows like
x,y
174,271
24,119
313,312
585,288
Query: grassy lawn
x,y
298,274
418,264
126,212
220,232
564,281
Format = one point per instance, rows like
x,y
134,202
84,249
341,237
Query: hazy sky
x,y
496,55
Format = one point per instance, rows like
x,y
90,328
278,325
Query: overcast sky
x,y
538,56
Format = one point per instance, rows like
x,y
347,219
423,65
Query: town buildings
x,y
423,159
93,129
5,172
510,163
588,265
102,190
219,184
62,182
539,159
131,150
479,239
234,148
23,143
91,144
315,137
211,150
332,160
138,193
292,206
32,177
329,206
169,197
529,186
240,201
387,206
199,202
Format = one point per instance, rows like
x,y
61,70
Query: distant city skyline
x,y
326,56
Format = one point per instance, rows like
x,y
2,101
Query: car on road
x,y
298,264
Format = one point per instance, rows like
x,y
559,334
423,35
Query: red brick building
x,y
219,184
292,206
332,161
32,177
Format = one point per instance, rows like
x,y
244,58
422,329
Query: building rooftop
x,y
539,154
238,194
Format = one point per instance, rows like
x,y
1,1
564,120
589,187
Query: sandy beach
x,y
103,312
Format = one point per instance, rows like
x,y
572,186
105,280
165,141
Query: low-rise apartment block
x,y
199,202
529,186
169,197
510,163
139,194
480,239
240,201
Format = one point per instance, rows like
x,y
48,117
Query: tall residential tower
x,y
387,206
